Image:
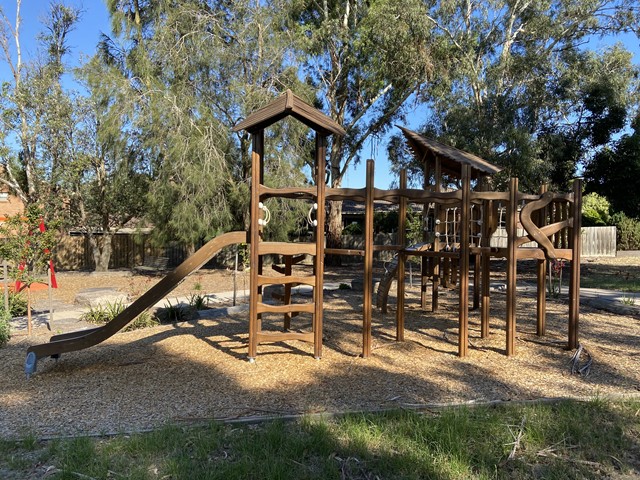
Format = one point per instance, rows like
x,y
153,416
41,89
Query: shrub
x,y
176,313
628,232
354,228
198,301
144,320
102,314
595,210
5,332
17,304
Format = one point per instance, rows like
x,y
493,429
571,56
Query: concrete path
x,y
66,317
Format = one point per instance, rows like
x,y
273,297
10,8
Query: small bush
x,y
176,313
595,210
5,332
144,320
198,301
628,232
17,304
102,314
354,228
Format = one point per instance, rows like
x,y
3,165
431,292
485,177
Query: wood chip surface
x,y
196,371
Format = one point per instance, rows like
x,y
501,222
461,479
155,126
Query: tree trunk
x,y
101,251
334,232
334,213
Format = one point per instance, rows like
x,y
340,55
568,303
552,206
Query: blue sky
x,y
95,20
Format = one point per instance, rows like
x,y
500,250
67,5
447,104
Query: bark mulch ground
x,y
195,371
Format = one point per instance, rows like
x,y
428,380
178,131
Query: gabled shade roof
x,y
451,158
290,104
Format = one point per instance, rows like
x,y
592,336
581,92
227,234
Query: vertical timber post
x,y
487,206
321,155
257,153
424,261
541,274
574,281
435,278
463,317
512,217
402,226
368,262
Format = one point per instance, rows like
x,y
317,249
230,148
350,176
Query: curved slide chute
x,y
72,341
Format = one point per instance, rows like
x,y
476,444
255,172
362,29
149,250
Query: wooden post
x,y
541,273
574,280
321,155
257,152
402,226
29,323
436,241
512,217
463,317
425,263
476,281
368,262
486,268
288,270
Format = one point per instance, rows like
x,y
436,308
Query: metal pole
x,y
235,278
6,284
50,298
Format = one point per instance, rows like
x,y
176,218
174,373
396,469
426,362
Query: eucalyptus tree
x,y
520,79
198,68
36,110
614,172
106,179
366,60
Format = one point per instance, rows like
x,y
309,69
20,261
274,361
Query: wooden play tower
x,y
541,227
287,104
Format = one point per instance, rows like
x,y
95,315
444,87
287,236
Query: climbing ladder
x,y
285,105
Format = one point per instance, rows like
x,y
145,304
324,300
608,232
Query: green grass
x,y
567,440
621,278
610,283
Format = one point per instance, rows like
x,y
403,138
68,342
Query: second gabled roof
x,y
451,158
290,104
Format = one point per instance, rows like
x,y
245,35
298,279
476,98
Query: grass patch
x,y
621,278
565,440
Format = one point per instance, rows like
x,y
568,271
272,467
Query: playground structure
x,y
458,225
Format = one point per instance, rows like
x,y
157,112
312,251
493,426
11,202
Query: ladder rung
x,y
308,280
286,248
293,307
282,336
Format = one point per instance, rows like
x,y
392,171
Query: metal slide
x,y
72,341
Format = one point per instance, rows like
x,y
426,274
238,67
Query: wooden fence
x,y
74,252
127,251
599,242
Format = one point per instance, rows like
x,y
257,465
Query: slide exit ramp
x,y
72,341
